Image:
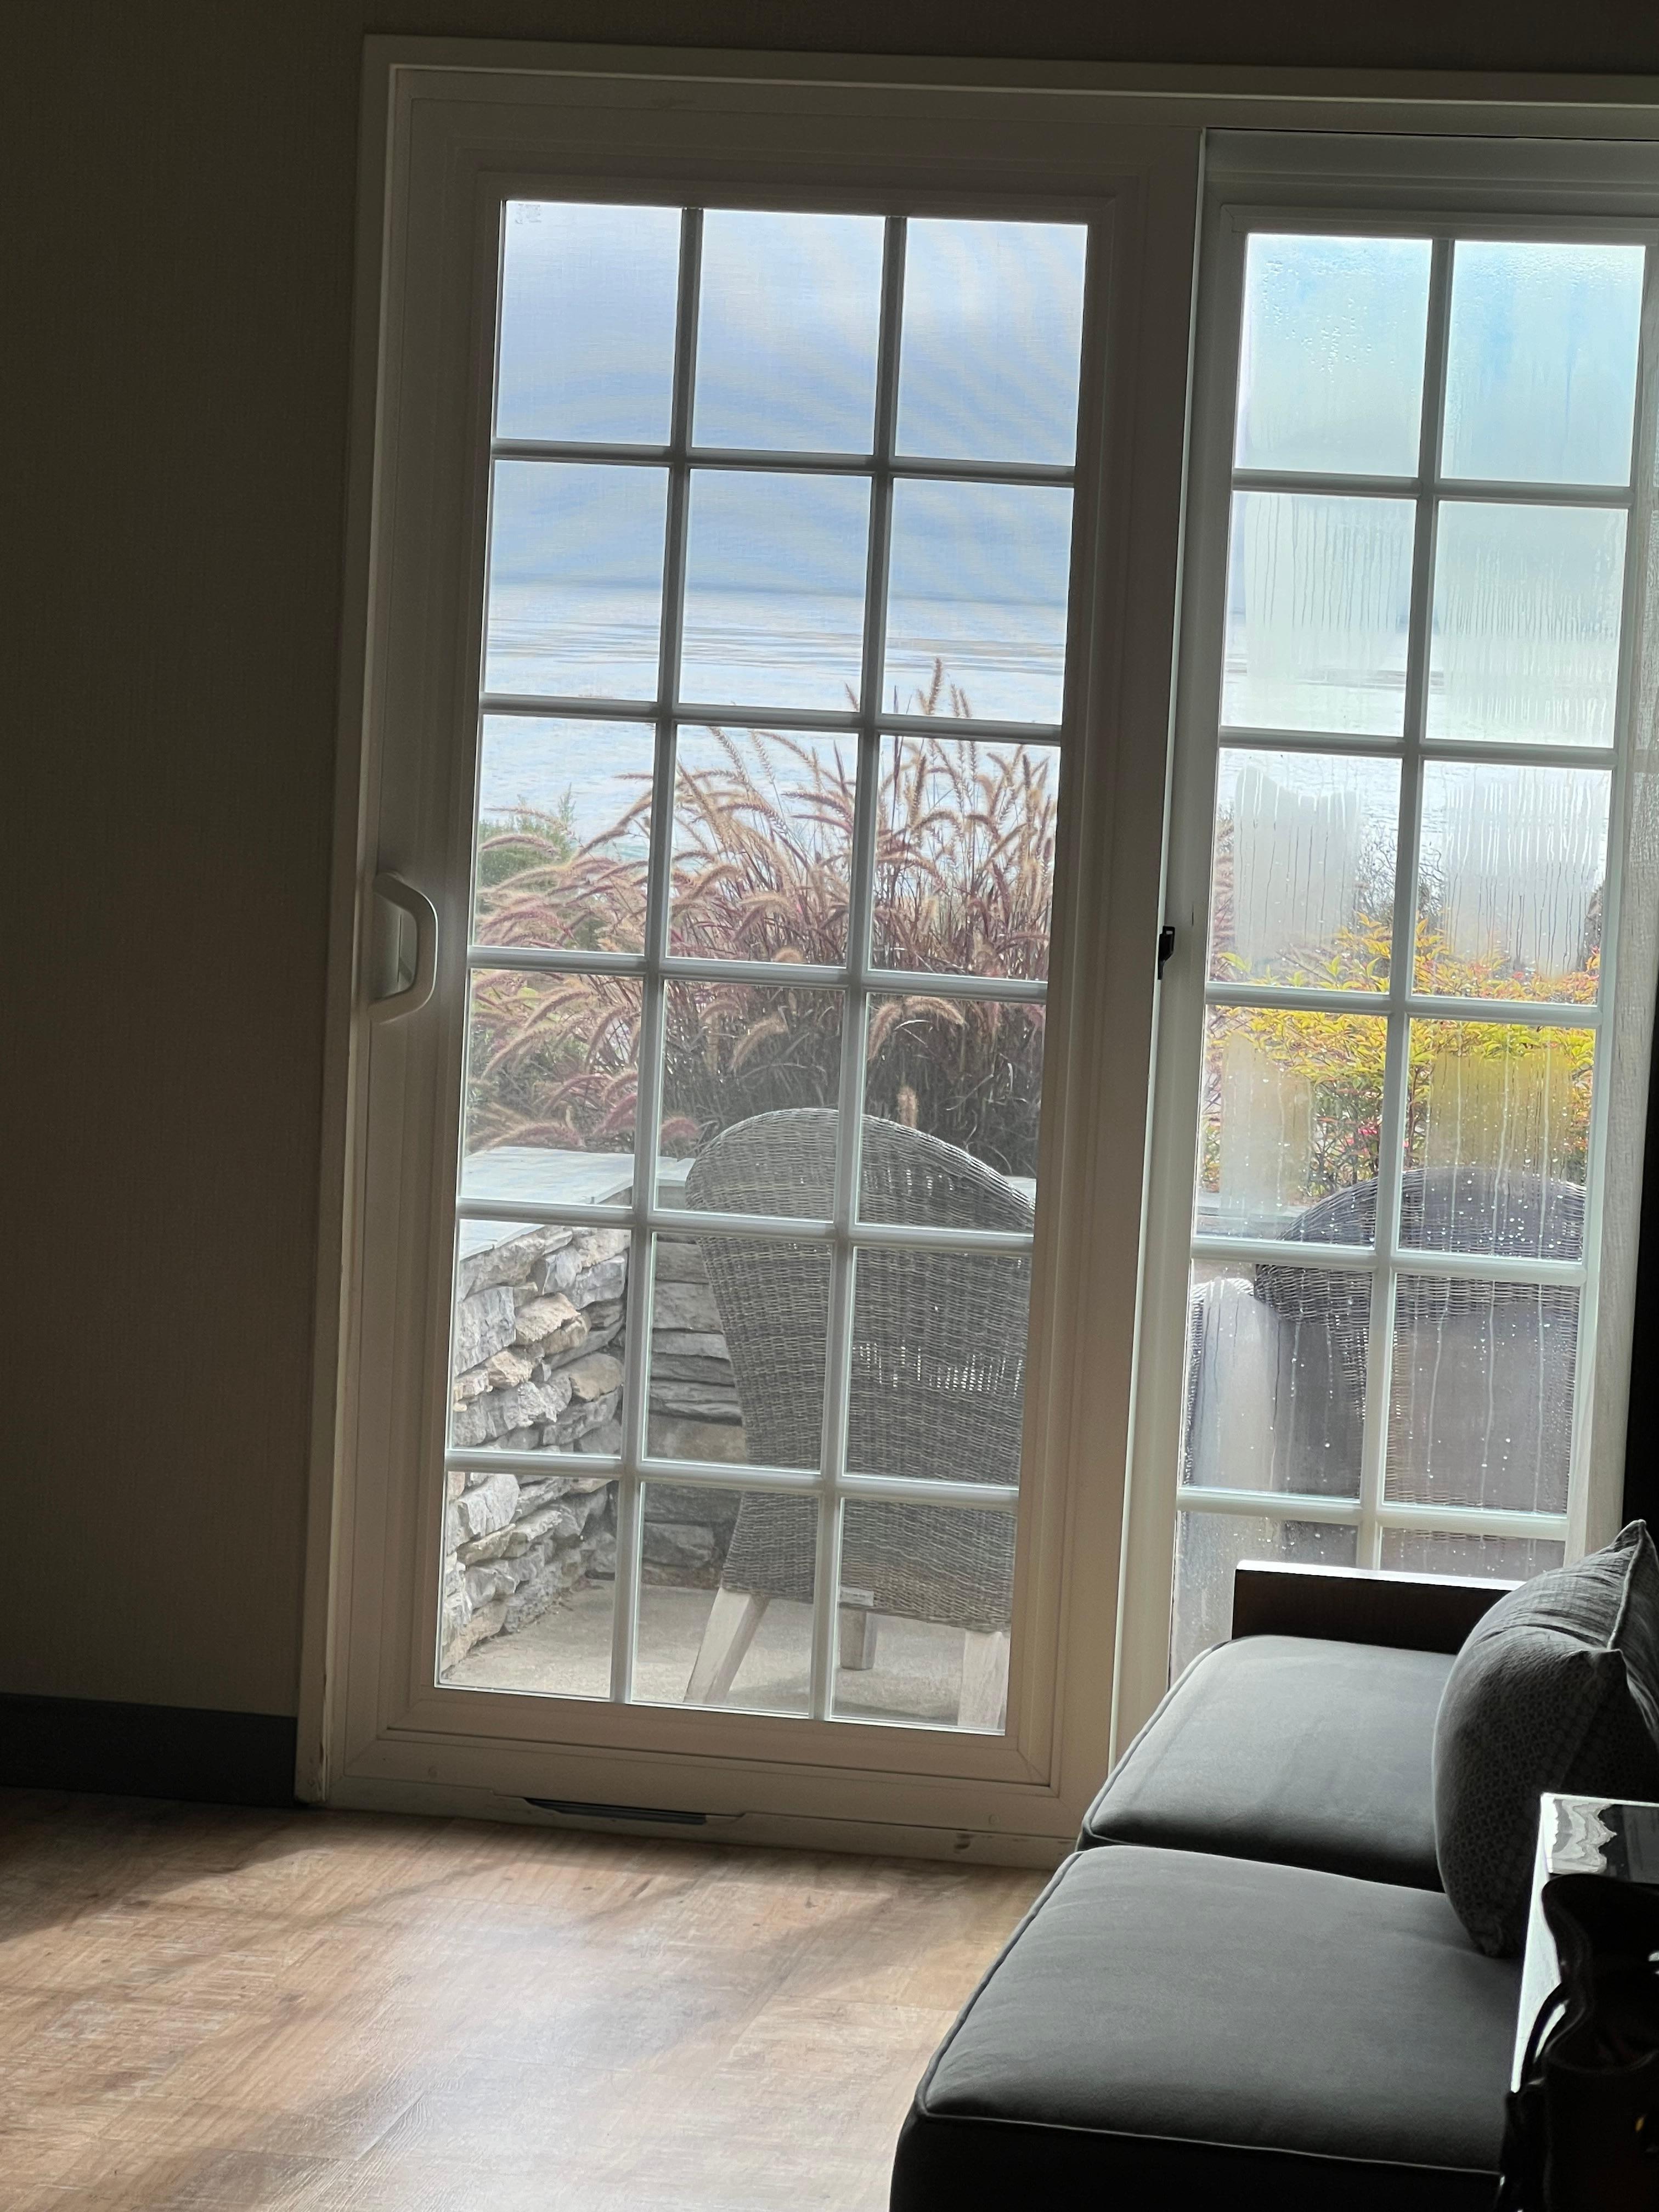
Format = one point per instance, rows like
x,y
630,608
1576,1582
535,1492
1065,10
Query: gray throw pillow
x,y
1557,1688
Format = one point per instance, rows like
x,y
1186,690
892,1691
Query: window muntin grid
x,y
1383,1523
858,979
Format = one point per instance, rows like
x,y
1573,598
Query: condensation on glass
x,y
1209,1547
1275,1378
1417,717
1318,593
775,613
1291,1119
1512,865
1330,361
1302,878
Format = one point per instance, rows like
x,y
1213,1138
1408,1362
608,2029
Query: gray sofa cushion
x,y
1557,1689
1283,1747
1170,2028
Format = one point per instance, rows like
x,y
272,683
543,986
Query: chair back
x,y
1480,1409
937,1376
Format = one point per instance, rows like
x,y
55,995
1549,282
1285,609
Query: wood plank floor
x,y
212,2009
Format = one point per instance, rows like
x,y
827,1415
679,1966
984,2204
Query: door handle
x,y
424,915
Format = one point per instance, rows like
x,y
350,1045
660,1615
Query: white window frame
x,y
855,981
1393,187
1089,1666
450,148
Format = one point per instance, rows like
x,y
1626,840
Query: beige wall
x,y
175,316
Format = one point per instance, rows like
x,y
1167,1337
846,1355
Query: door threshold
x,y
772,1830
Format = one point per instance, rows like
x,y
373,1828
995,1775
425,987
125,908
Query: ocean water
x,y
745,654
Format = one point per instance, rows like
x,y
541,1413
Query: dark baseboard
x,y
147,1751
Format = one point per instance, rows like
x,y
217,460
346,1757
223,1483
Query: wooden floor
x,y
241,2011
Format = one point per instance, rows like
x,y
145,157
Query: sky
x,y
1540,385
787,325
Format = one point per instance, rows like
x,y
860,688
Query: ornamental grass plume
x,y
763,829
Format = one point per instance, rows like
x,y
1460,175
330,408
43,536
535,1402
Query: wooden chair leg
x,y
857,1639
984,1679
731,1630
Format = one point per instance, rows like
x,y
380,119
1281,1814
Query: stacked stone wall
x,y
538,1346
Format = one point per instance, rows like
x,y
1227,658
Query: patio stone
x,y
596,1376
685,1306
492,1505
483,1324
692,1439
552,1325
584,1251
510,1262
677,1544
679,1260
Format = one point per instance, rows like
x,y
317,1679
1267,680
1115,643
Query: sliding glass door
x,y
771,580
1410,640
769,758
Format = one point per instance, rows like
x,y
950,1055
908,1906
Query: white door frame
x,y
366,1734
456,143
1257,180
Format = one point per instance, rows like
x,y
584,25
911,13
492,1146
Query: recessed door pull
x,y
424,915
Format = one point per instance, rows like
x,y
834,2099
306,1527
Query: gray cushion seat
x,y
1168,2028
1286,1748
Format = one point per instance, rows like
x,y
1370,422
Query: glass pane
x,y
575,580
976,600
1291,1111
1275,1379
563,832
739,1325
992,333
551,1078
1209,1547
774,589
926,1599
1330,370
1301,890
1498,1122
762,845
530,1584
537,1338
787,327
738,1052
965,856
1526,624
1540,372
1501,1558
966,1071
726,1599
1318,607
1511,881
1480,1404
938,1379
588,297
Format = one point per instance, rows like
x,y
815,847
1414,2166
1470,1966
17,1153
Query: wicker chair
x,y
935,1389
1480,1413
